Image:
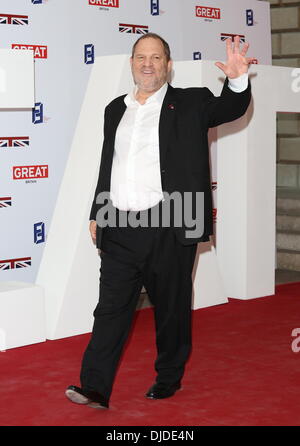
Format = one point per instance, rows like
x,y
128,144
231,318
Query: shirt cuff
x,y
238,84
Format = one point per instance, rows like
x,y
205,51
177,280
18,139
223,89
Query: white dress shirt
x,y
135,177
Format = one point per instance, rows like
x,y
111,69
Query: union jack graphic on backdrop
x,y
225,36
135,29
5,202
13,19
22,262
214,185
14,141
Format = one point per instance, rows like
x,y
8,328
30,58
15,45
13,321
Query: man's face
x,y
149,65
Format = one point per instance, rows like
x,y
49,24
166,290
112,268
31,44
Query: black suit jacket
x,y
185,118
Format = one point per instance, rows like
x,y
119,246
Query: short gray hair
x,y
154,36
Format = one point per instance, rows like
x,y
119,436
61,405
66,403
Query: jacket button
x,y
163,171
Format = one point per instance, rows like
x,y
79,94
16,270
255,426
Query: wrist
x,y
238,84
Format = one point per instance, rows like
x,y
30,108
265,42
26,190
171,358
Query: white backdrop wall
x,y
66,35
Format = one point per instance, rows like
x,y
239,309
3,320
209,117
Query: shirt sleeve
x,y
238,84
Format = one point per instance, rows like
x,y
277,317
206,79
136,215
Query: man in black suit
x,y
155,147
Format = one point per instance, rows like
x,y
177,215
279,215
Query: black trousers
x,y
130,259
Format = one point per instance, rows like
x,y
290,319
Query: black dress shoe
x,y
159,390
90,398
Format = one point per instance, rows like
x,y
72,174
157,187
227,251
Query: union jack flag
x,y
5,202
13,19
225,36
135,29
22,262
14,141
214,185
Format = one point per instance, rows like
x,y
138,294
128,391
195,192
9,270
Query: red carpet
x,y
242,372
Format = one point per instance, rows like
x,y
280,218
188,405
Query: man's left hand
x,y
237,63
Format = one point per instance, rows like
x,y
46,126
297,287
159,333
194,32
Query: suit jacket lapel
x,y
114,120
116,116
167,116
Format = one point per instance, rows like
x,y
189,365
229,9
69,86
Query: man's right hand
x,y
93,227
